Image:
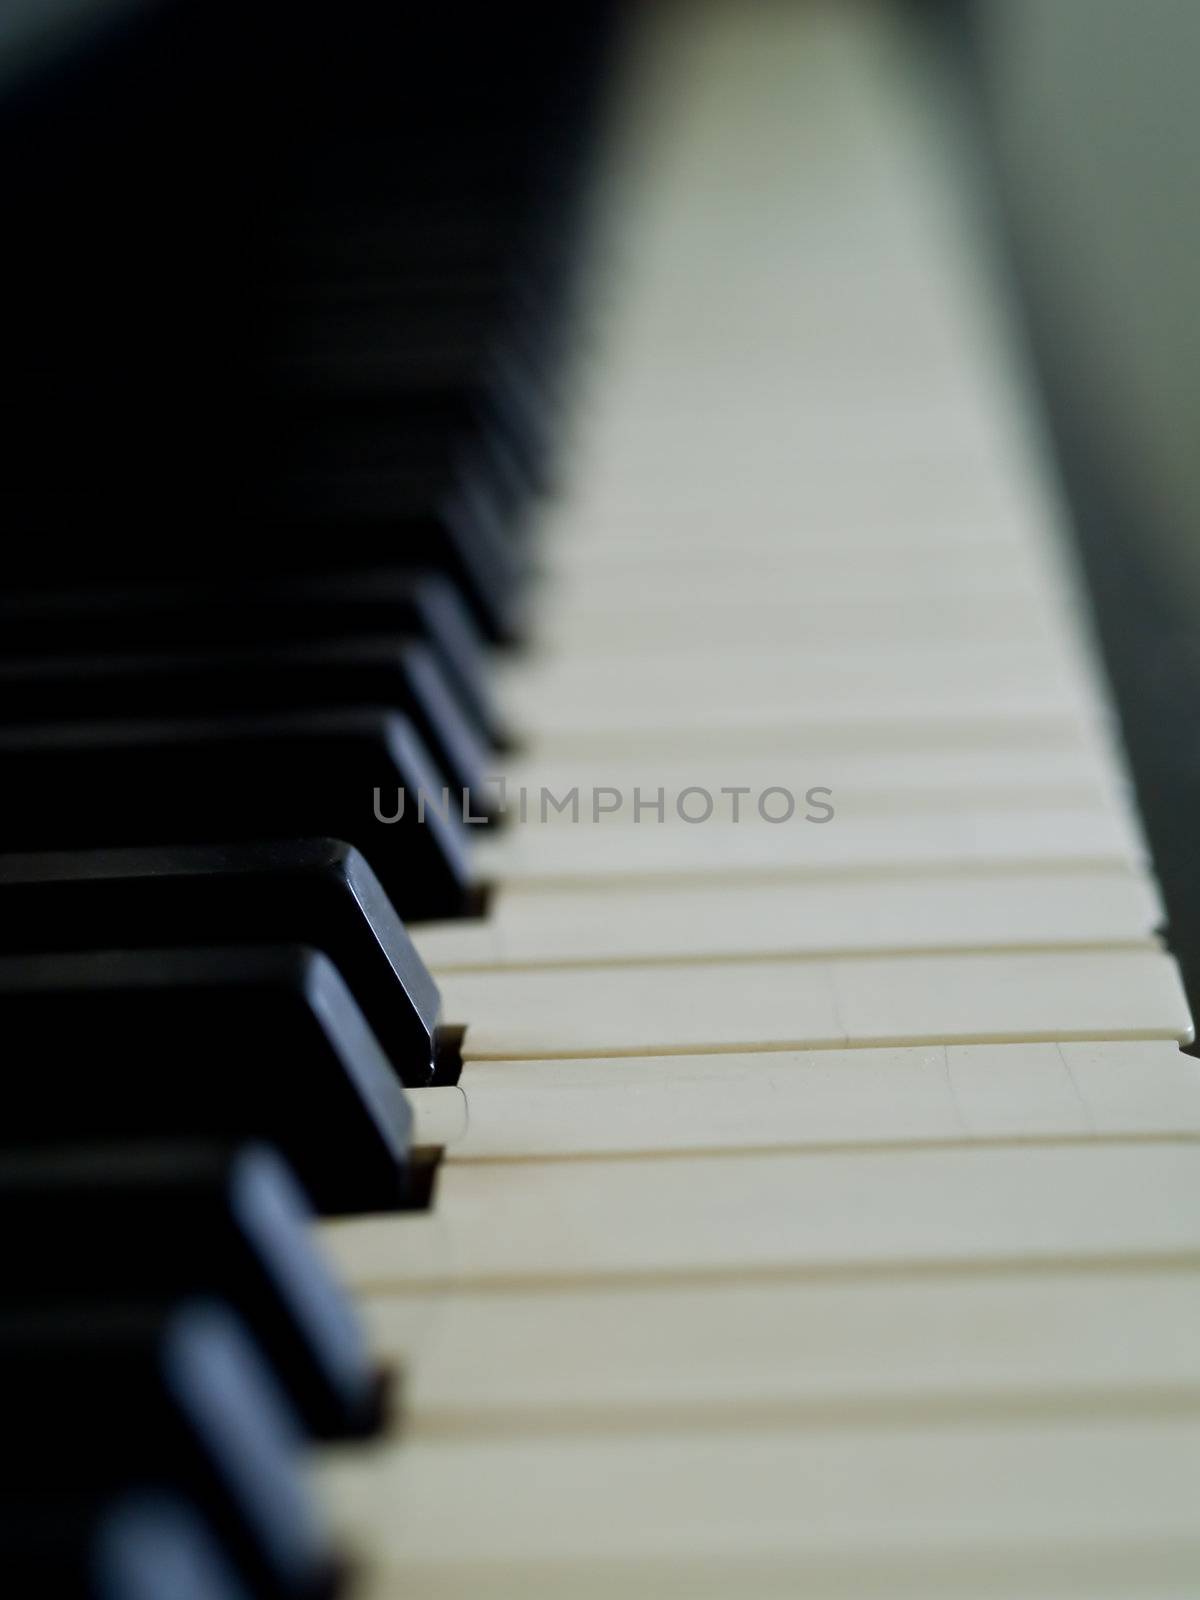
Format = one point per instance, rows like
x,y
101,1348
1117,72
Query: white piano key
x,y
819,737
795,1004
573,696
820,560
758,1214
762,1354
864,842
1032,1508
683,921
863,779
810,1099
778,621
736,576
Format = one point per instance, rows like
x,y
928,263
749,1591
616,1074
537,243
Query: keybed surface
x,y
818,1202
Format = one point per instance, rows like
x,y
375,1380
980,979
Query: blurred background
x,y
1089,130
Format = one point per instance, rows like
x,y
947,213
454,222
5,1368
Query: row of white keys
x,y
700,1308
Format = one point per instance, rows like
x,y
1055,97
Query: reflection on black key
x,y
317,892
137,1545
223,1045
96,1402
361,776
393,675
154,1224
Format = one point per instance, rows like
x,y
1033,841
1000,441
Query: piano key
x,y
157,1224
583,1358
882,777
967,1209
779,619
1036,1506
818,737
527,925
468,372
937,840
99,1402
399,677
219,616
825,563
218,1045
334,774
132,1547
585,579
355,480
795,1004
896,508
645,1105
318,892
774,688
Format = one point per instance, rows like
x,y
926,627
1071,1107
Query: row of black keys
x,y
307,362
203,1035
212,1036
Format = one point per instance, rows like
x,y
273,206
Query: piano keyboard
x,y
728,1041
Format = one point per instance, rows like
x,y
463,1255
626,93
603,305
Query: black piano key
x,y
355,491
470,375
334,774
238,610
396,676
229,1045
318,892
97,1402
139,1545
155,1224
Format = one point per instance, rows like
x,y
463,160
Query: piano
x,y
589,1007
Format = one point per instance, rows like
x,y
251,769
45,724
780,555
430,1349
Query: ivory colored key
x,y
1034,1506
810,1099
527,925
941,735
898,507
600,571
674,689
572,925
793,1004
783,621
595,592
951,565
880,779
749,1215
790,1352
805,840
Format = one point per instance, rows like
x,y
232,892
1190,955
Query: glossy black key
x,y
395,676
98,1402
318,892
342,775
346,497
154,1224
236,611
139,1545
223,1045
